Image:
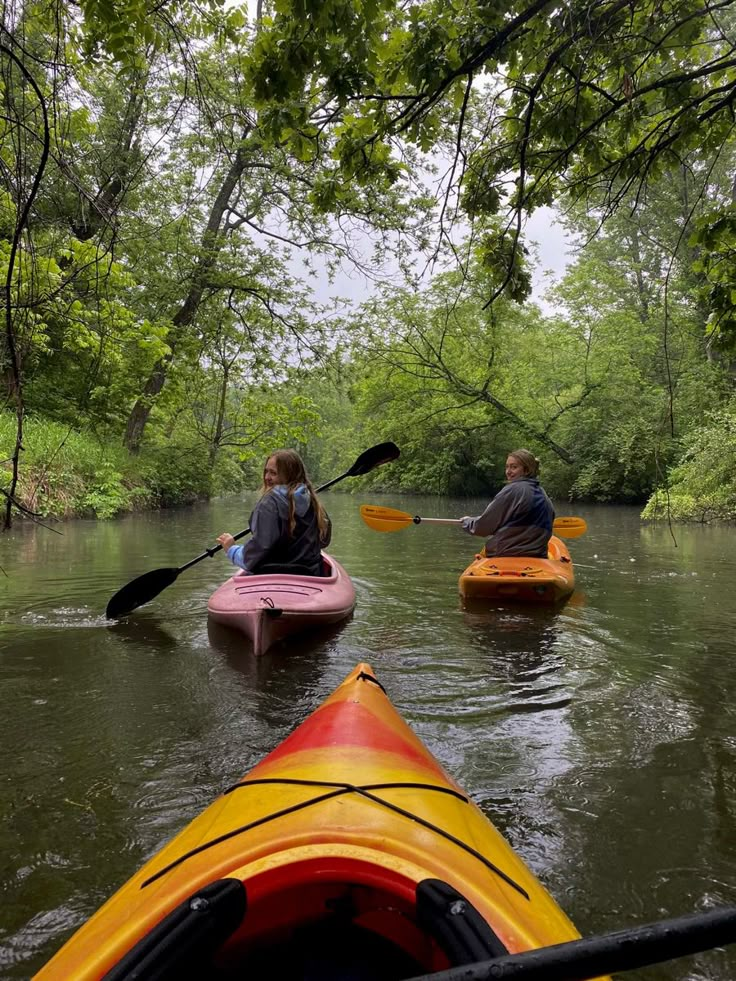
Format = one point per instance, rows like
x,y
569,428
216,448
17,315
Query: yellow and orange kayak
x,y
519,578
347,845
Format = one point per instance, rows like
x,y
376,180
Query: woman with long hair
x,y
519,518
289,527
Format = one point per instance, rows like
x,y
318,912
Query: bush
x,y
702,487
64,473
684,507
175,474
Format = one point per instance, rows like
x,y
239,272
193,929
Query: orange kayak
x,y
520,578
348,846
269,608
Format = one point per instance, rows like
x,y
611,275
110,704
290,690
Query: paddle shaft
x,y
624,950
436,521
209,552
558,525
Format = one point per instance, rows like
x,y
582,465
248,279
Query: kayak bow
x,y
348,845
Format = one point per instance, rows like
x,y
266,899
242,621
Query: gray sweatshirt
x,y
518,520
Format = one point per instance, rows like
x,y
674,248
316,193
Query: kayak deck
x,y
268,608
348,843
521,578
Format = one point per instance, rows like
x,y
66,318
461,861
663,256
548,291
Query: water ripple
x,y
598,737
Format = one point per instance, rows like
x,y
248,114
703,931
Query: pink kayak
x,y
270,607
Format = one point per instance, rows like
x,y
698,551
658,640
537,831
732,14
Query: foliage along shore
x,y
177,196
68,474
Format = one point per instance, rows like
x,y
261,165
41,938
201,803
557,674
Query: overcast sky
x,y
554,251
552,247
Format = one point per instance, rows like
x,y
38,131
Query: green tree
x,y
456,384
587,100
701,487
149,232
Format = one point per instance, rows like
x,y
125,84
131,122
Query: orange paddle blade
x,y
385,519
569,527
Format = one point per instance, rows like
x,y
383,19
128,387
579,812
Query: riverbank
x,y
68,474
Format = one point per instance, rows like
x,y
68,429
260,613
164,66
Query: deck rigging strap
x,y
337,790
364,676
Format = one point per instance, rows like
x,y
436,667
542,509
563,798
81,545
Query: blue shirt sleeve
x,y
235,554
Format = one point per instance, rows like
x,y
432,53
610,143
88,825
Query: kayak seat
x,y
182,945
456,925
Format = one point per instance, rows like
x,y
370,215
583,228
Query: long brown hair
x,y
290,468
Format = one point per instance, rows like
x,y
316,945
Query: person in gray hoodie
x,y
289,527
519,518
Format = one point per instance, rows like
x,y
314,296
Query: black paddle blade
x,y
374,457
139,591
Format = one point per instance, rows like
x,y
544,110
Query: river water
x,y
600,738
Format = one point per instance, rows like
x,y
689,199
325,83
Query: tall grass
x,y
66,473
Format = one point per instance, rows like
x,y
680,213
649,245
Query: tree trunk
x,y
185,315
220,420
641,288
11,350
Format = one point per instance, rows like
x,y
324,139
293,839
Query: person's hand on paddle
x,y
466,522
226,540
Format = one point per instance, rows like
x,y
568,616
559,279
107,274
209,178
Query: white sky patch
x,y
348,288
543,234
554,251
